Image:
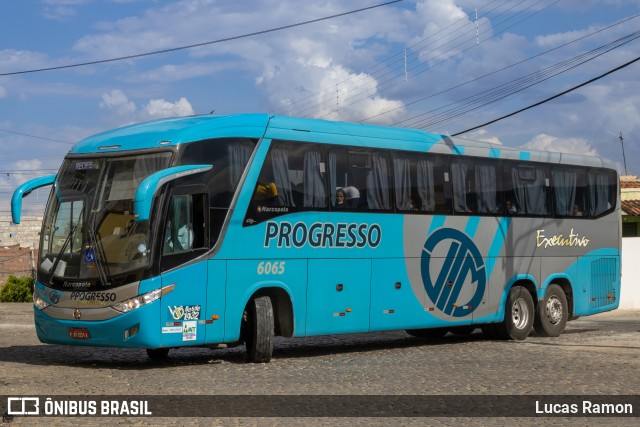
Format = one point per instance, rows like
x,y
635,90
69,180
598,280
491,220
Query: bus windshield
x,y
89,228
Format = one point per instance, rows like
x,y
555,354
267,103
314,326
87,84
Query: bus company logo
x,y
462,260
54,296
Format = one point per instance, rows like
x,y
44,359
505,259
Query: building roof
x,y
631,207
630,184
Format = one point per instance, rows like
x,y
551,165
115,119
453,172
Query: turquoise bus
x,y
207,230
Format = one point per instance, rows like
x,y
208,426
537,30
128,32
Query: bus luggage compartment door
x,y
338,296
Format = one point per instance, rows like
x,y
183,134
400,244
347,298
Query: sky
x,y
444,66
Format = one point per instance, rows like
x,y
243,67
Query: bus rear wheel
x,y
552,313
518,315
260,330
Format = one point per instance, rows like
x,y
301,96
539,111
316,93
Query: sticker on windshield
x,y
89,255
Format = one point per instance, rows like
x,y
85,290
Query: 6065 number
x,y
268,267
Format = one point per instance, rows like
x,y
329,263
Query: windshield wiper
x,y
56,260
98,256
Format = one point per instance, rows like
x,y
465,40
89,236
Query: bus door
x,y
185,238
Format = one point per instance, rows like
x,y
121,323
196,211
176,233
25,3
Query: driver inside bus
x,y
185,236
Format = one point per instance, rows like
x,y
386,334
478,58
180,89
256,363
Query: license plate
x,y
79,333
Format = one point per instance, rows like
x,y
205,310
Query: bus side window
x,y
419,183
292,179
476,186
602,191
370,174
527,186
569,191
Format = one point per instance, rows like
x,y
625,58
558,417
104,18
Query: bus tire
x,y
260,330
553,313
157,353
430,333
518,315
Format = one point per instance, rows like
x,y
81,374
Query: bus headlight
x,y
39,302
139,301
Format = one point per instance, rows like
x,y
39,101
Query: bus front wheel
x,y
259,330
552,313
518,315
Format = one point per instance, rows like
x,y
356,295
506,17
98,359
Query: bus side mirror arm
x,y
148,188
24,190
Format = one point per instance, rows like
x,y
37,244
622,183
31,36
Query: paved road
x,y
597,355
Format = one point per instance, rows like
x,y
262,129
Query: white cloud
x,y
117,101
59,13
17,60
60,10
282,64
185,71
546,142
440,20
483,135
159,108
64,2
29,169
3,92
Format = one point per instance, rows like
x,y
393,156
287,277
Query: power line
x,y
35,136
14,171
489,96
497,71
317,96
174,49
382,86
551,97
389,82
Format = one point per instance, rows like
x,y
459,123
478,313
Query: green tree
x,y
17,289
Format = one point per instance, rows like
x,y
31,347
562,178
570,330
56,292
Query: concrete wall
x,y
630,292
26,234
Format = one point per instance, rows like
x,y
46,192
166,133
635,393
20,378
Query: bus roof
x,y
182,130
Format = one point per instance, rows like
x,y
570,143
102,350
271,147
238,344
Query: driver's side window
x,y
178,234
185,235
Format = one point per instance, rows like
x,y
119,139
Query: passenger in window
x,y
341,199
510,208
576,210
353,196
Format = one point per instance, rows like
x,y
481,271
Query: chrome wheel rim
x,y
519,314
554,310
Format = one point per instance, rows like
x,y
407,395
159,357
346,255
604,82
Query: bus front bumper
x,y
135,329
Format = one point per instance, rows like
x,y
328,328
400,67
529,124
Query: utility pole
x,y
624,159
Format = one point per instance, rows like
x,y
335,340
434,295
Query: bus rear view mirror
x,y
148,188
24,190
